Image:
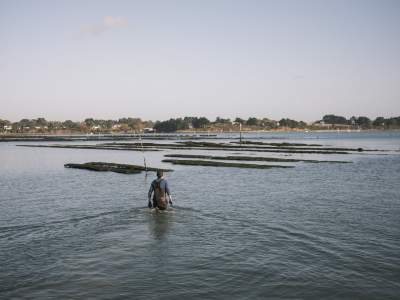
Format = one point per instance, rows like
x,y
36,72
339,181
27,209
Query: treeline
x,y
90,125
41,125
361,122
185,123
251,123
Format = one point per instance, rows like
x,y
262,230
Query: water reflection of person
x,y
160,224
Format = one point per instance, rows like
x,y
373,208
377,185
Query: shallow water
x,y
317,231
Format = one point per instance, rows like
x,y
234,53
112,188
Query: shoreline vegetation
x,y
192,126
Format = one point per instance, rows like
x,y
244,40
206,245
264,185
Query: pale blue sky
x,y
160,59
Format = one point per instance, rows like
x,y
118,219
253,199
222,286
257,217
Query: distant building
x,y
322,125
148,130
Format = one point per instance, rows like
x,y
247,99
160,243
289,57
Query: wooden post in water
x,y
144,157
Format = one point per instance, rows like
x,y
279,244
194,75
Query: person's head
x,y
160,173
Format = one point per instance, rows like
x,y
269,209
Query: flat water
x,y
317,231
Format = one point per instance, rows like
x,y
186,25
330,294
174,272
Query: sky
x,y
165,59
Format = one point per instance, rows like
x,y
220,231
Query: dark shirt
x,y
163,186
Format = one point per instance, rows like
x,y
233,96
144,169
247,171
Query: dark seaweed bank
x,y
261,145
190,145
96,147
300,146
277,144
113,167
208,163
253,158
97,137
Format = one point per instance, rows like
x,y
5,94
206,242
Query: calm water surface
x,y
317,231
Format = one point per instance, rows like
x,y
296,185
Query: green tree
x,y
222,121
4,123
71,125
239,121
288,123
302,125
364,122
252,121
392,123
379,122
26,123
135,123
171,125
201,122
89,122
54,125
196,122
41,122
267,123
109,123
332,119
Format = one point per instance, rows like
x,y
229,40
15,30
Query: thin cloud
x,y
115,22
109,23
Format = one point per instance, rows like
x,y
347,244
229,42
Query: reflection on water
x,y
160,222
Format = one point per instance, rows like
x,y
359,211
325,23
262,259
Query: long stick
x,y
144,157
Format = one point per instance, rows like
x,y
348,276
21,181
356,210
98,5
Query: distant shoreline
x,y
183,134
289,130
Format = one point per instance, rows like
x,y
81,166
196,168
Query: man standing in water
x,y
160,188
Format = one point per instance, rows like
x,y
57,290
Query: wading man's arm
x,y
168,192
149,204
